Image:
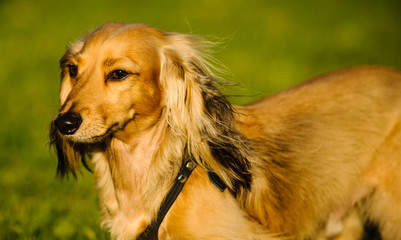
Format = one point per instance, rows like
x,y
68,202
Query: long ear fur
x,y
199,113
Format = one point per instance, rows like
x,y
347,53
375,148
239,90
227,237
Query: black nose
x,y
68,123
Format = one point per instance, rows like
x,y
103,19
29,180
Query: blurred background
x,y
267,45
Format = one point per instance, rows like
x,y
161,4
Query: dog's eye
x,y
73,70
118,75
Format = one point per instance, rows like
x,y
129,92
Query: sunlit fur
x,y
324,153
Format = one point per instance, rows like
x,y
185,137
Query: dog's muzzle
x,y
68,123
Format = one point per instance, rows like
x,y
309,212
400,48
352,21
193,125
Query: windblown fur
x,y
312,162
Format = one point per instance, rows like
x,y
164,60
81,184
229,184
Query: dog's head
x,y
120,79
109,79
114,83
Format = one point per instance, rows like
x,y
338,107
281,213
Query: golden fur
x,y
324,153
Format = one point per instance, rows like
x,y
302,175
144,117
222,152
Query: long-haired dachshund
x,y
301,164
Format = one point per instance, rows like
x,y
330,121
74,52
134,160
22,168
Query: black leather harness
x,y
151,232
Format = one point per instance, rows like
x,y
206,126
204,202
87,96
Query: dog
x,y
144,105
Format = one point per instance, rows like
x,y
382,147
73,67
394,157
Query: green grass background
x,y
268,46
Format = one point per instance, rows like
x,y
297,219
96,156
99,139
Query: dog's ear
x,y
197,111
68,154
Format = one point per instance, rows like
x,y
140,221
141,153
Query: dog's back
x,y
335,142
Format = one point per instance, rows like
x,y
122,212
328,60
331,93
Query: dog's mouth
x,y
76,130
100,138
89,135
85,136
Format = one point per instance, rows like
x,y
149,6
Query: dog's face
x,y
110,82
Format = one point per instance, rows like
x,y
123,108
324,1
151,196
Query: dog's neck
x,y
130,181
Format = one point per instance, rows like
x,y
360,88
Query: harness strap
x,y
151,232
216,181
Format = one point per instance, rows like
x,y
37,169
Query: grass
x,y
268,46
